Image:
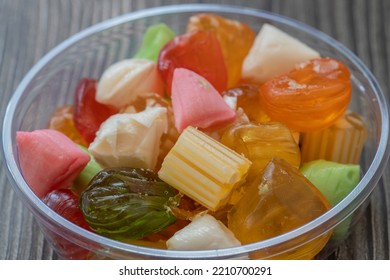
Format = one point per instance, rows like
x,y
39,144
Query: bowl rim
x,y
321,224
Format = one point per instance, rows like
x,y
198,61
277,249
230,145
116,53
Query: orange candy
x,y
62,121
249,100
235,38
310,97
261,142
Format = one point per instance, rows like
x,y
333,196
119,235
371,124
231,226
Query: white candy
x,y
125,80
274,53
203,233
131,140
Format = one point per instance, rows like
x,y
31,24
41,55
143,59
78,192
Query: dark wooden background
x,y
30,28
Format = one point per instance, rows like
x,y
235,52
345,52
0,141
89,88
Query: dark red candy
x,y
88,113
198,51
65,203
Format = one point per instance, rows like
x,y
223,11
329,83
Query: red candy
x,y
88,113
198,51
65,203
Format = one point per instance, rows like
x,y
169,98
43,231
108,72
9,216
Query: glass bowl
x,y
51,83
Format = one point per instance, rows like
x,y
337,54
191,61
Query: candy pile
x,y
210,139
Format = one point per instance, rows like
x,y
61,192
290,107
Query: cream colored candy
x,y
273,53
130,140
203,233
125,80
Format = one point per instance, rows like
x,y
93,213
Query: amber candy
x,y
248,99
62,121
261,142
341,142
278,201
310,97
227,31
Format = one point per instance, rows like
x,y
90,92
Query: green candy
x,y
86,175
335,181
128,203
155,38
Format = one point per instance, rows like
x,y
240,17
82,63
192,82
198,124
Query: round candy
x,y
310,97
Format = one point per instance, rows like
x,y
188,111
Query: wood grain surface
x,y
30,28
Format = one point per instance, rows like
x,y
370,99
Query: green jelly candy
x,y
335,181
128,203
155,38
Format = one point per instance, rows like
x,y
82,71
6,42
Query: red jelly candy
x,y
88,113
198,51
65,203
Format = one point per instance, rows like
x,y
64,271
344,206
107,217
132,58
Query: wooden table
x,y
29,29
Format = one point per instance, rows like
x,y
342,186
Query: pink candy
x,y
49,160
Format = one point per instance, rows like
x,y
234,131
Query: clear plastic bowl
x,y
52,80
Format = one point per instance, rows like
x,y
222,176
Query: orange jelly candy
x,y
310,97
62,121
235,38
278,201
249,100
261,142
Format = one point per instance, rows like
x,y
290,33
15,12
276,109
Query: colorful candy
x,y
125,80
203,141
227,31
203,169
310,97
274,53
198,51
89,114
207,109
280,200
341,142
156,36
127,203
59,162
130,139
261,142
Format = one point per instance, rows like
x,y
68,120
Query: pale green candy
x,y
335,181
156,36
90,170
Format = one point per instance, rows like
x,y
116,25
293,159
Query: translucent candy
x,y
62,121
127,203
88,113
261,142
341,142
65,203
198,51
227,31
280,200
248,98
310,97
